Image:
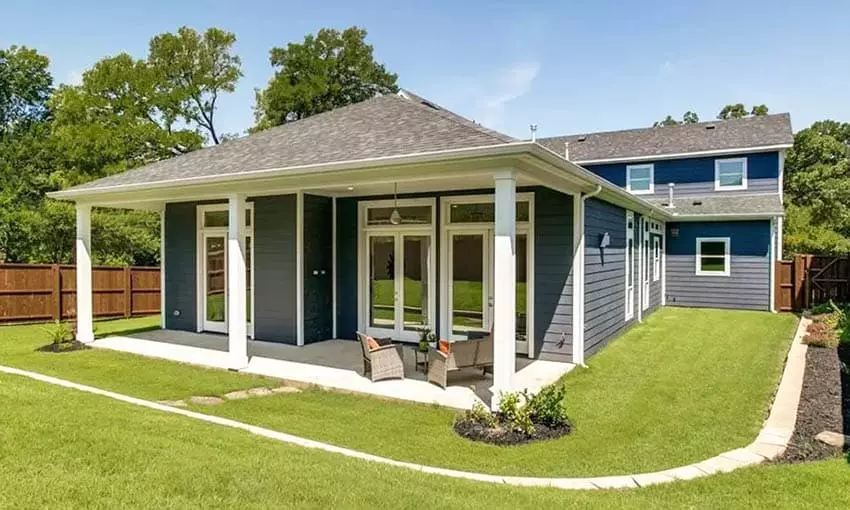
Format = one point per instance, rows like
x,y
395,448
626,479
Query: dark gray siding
x,y
748,286
318,263
553,281
605,274
346,267
181,278
275,283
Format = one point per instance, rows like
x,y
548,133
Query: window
x,y
483,212
640,179
410,215
656,259
713,256
221,217
630,258
730,174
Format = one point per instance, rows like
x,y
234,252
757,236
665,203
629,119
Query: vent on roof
x,y
581,138
710,126
697,202
430,105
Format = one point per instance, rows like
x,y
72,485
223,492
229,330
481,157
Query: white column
x,y
504,285
237,327
162,310
578,279
85,324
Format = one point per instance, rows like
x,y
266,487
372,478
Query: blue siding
x,y
181,278
695,176
747,287
346,267
605,274
553,262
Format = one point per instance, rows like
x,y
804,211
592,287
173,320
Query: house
x,y
395,215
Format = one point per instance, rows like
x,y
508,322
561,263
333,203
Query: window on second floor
x,y
730,174
640,179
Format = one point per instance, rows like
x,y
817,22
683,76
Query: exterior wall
x,y
605,274
181,276
695,176
553,278
318,262
747,287
346,268
275,282
654,286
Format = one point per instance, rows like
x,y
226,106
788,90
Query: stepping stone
x,y
207,401
259,392
286,389
833,439
236,395
173,403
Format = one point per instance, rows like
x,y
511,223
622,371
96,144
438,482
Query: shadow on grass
x,y
126,331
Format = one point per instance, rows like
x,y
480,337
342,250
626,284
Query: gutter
x,y
579,283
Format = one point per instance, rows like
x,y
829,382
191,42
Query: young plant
x,y
60,334
481,415
547,407
514,414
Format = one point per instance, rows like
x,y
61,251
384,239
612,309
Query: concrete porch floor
x,y
334,364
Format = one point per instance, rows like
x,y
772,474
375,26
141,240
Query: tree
x,y
326,71
25,85
739,111
759,110
666,121
191,70
690,118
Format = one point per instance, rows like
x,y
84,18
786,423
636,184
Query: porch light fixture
x,y
395,217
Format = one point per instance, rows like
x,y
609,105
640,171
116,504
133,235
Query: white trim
x,y
664,264
630,266
642,166
780,226
695,154
333,266
163,312
656,257
782,177
772,270
299,267
718,186
85,310
646,247
727,260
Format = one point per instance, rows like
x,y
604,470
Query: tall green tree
x,y
688,118
328,70
25,85
739,111
191,70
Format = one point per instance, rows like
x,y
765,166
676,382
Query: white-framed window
x,y
713,256
640,179
730,174
656,258
630,260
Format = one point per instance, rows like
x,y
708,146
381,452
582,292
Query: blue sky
x,y
567,66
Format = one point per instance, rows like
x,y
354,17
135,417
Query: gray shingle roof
x,y
390,125
747,132
724,205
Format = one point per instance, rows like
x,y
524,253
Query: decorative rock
x,y
207,401
833,439
259,392
286,389
236,395
173,403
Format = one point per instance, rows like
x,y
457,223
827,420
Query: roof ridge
x,y
452,116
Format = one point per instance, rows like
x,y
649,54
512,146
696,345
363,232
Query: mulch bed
x,y
504,437
824,405
66,347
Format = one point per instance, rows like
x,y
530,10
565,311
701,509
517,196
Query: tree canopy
x,y
326,71
25,85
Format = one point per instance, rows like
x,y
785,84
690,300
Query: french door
x,y
214,258
400,297
471,281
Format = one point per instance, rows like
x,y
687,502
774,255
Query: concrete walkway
x,y
770,443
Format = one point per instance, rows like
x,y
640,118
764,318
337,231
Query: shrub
x,y
515,415
61,334
481,415
821,334
547,407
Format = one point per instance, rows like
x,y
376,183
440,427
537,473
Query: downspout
x,y
578,280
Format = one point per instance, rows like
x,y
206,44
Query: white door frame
x,y
645,264
447,229
398,232
202,233
630,266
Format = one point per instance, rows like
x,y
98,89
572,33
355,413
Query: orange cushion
x,y
444,346
371,343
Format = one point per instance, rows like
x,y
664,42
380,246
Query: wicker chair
x,y
385,362
477,353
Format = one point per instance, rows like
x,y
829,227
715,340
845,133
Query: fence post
x,y
128,292
57,292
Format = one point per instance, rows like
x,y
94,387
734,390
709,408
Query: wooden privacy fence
x,y
808,280
45,292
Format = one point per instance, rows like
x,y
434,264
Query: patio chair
x,y
385,362
476,353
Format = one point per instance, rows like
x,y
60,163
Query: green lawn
x,y
134,375
62,448
684,386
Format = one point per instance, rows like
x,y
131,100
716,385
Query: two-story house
x,y
394,216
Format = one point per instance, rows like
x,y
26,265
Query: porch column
x,y
237,328
504,285
85,327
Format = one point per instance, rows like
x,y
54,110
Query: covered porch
x,y
333,364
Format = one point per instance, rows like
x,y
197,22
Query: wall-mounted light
x,y
604,240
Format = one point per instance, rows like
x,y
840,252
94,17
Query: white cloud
x,y
506,85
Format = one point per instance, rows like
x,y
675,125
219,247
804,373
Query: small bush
x,y
61,334
515,415
480,414
822,308
547,407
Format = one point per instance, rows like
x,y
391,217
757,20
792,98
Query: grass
x,y
66,449
684,386
125,373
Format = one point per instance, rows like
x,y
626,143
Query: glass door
x,y
399,300
215,283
